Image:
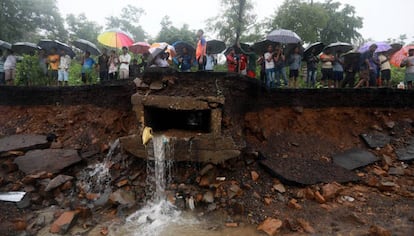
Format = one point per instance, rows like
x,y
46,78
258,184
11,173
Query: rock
x,y
279,187
331,190
122,183
309,194
319,198
306,226
270,226
387,160
19,224
233,191
64,222
50,160
9,166
378,171
293,203
406,153
211,207
206,169
28,179
354,158
377,128
231,224
390,124
208,197
254,175
123,197
57,181
267,200
387,186
23,142
375,230
205,181
396,171
376,139
298,109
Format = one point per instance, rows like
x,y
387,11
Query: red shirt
x,y
231,63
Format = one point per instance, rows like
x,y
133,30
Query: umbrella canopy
x,y
25,48
139,47
315,47
48,44
381,47
164,46
5,45
261,46
339,47
395,47
115,38
180,45
397,58
288,49
215,46
85,45
154,53
283,36
244,46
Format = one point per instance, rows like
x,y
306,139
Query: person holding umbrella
x,y
53,60
294,66
124,60
185,61
113,62
87,66
64,63
408,63
311,65
103,65
385,68
367,71
327,68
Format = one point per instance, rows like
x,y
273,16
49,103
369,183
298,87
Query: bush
x,y
28,72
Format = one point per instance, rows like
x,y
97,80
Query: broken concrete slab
x,y
354,158
49,160
304,171
23,142
406,153
376,139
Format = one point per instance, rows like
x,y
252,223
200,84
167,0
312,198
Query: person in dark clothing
x,y
103,65
351,68
134,69
311,64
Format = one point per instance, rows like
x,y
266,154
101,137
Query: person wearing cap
x,y
124,60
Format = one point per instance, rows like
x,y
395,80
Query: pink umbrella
x,y
139,47
115,38
397,58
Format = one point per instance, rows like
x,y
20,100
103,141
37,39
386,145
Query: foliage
x,y
171,34
80,27
129,22
326,22
23,20
28,72
235,22
75,71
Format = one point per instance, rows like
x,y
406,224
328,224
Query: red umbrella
x,y
397,58
139,47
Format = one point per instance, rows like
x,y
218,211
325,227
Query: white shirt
x,y
409,70
269,64
209,62
384,62
124,58
10,63
64,62
161,62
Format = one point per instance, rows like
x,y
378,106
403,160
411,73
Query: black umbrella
x,y
289,48
215,46
48,44
339,47
244,46
85,45
5,45
261,46
180,45
315,47
25,48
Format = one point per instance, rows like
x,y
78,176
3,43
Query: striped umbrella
x,y
115,38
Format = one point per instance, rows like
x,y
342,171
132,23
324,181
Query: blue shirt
x,y
186,63
87,64
295,61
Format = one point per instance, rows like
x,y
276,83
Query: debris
x,y
306,226
123,197
279,187
376,139
406,153
12,196
375,230
270,226
293,203
331,190
57,181
233,191
232,224
319,198
255,175
64,222
206,169
267,200
354,158
23,142
208,197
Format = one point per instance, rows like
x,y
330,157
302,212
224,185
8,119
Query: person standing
x,y
53,60
64,64
210,61
87,66
279,66
113,65
351,67
43,62
103,64
327,68
231,61
366,70
185,61
201,50
2,59
385,68
311,66
294,66
408,63
251,61
10,68
124,60
338,69
269,67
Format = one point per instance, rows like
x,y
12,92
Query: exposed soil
x,y
274,132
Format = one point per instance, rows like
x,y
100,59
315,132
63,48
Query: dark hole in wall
x,y
166,119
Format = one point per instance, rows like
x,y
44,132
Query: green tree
x,y
80,27
128,21
326,22
235,23
171,34
23,20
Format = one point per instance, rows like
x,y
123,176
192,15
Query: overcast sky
x,y
382,19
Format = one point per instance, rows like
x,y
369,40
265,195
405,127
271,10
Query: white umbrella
x,y
283,36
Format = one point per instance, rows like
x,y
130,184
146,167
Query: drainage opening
x,y
165,119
